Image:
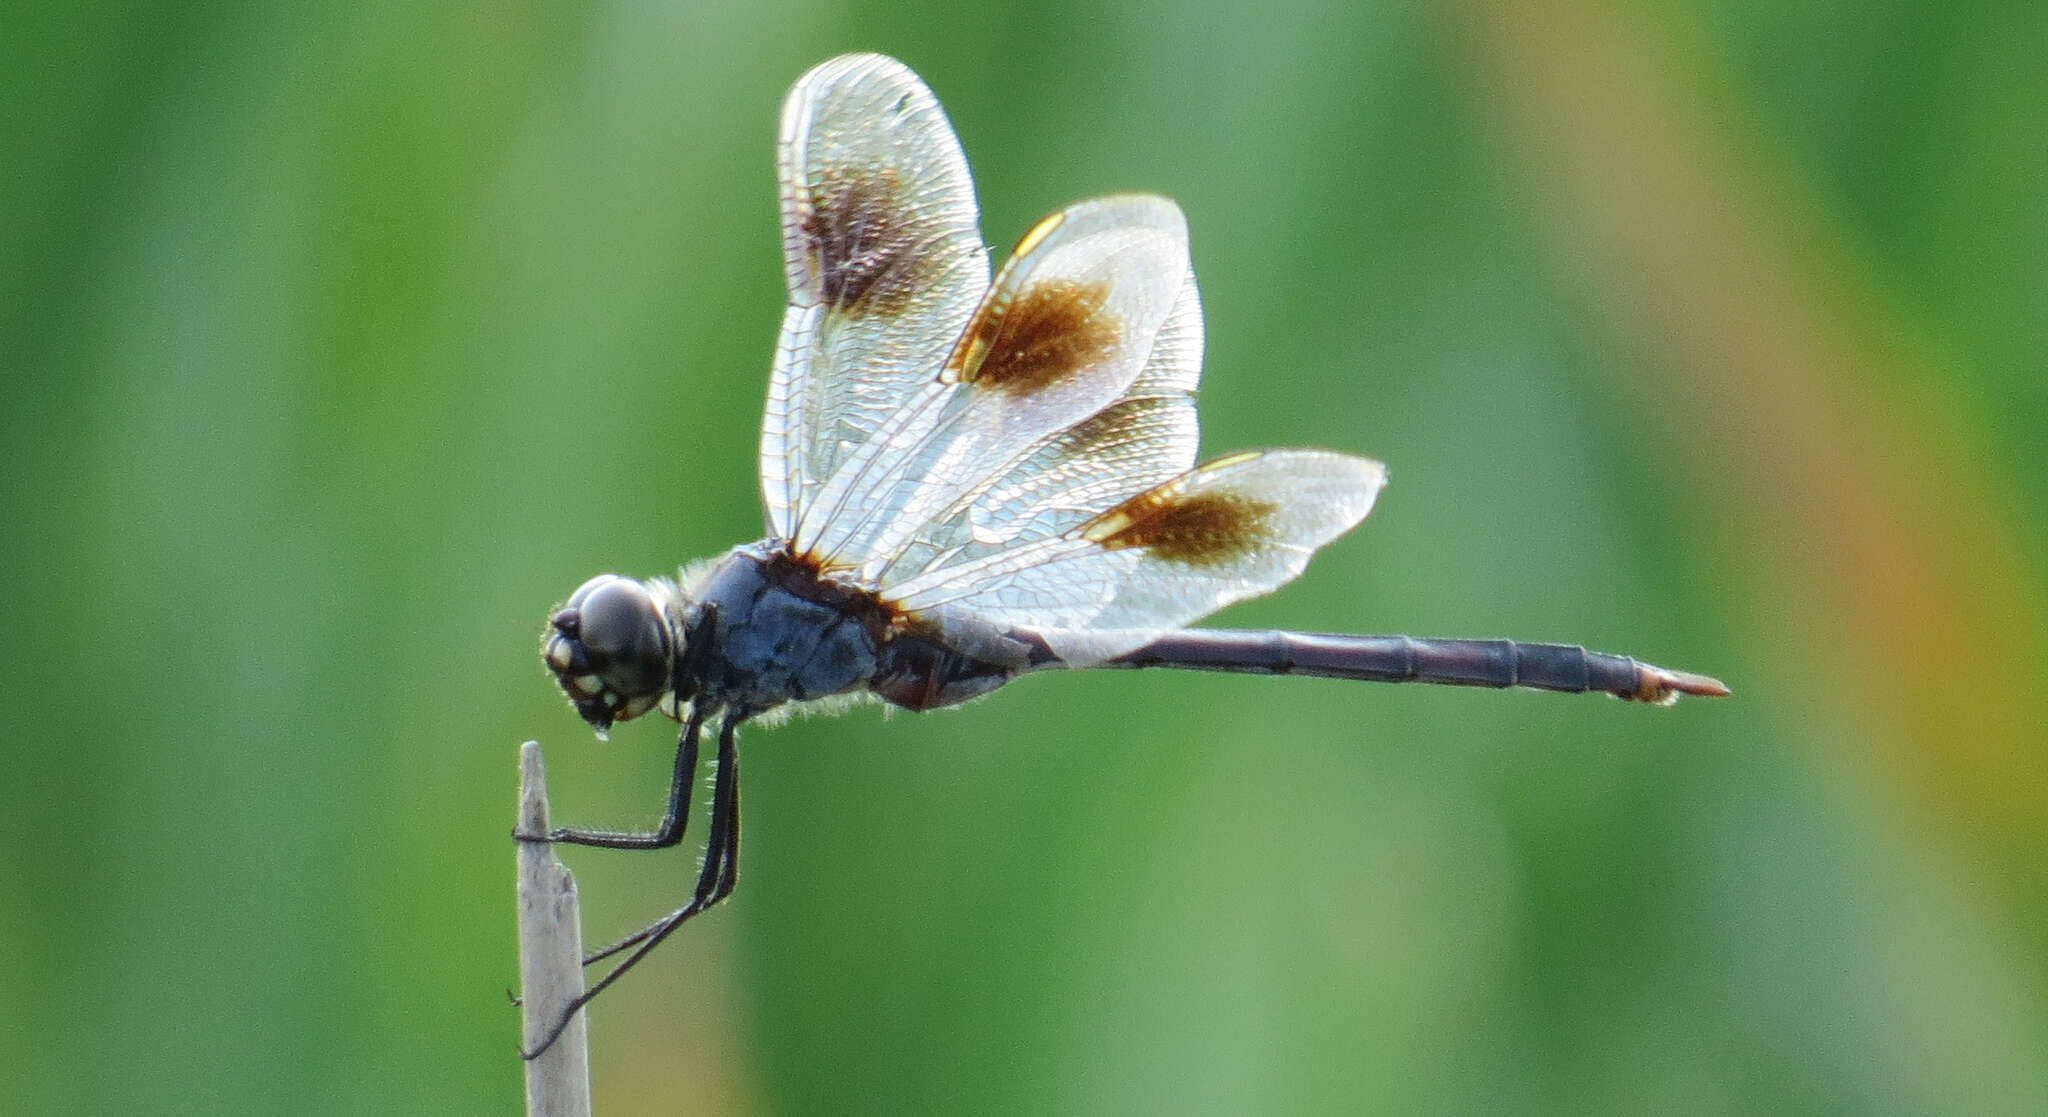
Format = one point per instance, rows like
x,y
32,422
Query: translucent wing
x,y
882,245
1233,528
1013,457
1066,330
1145,438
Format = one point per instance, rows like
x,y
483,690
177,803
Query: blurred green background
x,y
341,340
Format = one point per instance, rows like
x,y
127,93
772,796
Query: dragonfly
x,y
972,477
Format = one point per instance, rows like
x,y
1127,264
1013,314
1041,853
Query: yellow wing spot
x,y
1036,235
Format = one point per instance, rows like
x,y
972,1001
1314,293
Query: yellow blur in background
x,y
340,341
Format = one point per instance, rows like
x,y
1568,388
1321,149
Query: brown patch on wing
x,y
1048,332
865,237
1210,528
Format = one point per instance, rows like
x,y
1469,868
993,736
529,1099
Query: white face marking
x,y
558,654
588,685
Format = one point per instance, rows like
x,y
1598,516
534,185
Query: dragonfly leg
x,y
715,880
674,818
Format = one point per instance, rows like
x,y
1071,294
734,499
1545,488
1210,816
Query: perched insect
x,y
967,480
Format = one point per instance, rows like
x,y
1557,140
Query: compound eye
x,y
625,636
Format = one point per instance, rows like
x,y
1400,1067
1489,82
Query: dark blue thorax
x,y
779,634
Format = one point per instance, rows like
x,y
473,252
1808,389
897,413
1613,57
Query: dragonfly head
x,y
613,648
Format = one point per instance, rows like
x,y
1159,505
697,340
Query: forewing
x,y
1067,328
882,246
1233,528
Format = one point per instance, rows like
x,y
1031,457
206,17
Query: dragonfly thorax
x,y
767,628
